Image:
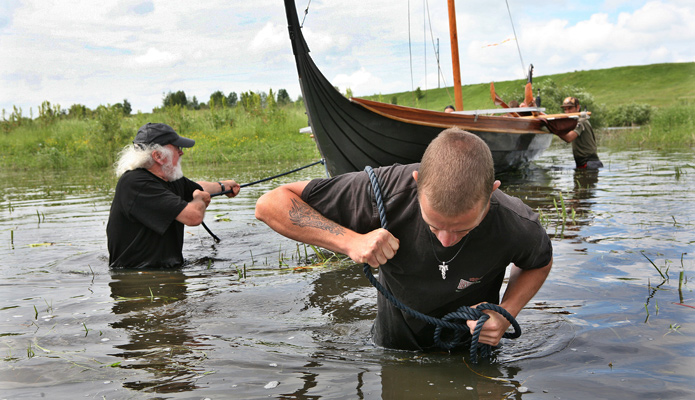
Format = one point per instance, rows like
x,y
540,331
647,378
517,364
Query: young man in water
x,y
451,236
153,201
582,138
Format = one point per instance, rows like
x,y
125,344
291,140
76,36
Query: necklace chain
x,y
443,267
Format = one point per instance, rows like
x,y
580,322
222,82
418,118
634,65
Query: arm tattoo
x,y
304,216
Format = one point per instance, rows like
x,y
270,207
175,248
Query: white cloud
x,y
358,81
270,37
79,51
155,59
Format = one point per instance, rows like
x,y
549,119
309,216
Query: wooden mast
x,y
455,56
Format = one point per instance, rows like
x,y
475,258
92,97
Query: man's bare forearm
x,y
302,215
283,210
523,285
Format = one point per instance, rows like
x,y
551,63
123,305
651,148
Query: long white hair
x,y
139,156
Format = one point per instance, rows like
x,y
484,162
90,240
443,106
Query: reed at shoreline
x,y
230,134
222,135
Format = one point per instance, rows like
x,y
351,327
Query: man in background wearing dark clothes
x,y
582,138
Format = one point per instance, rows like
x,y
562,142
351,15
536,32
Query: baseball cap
x,y
570,102
161,134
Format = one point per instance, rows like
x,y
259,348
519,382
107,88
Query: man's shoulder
x,y
399,169
398,172
138,174
505,203
583,125
385,175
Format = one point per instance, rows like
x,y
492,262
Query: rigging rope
x,y
455,320
426,9
515,38
434,49
321,161
306,11
410,53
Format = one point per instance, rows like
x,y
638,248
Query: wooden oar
x,y
498,101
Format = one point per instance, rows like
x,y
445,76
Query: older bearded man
x,y
153,201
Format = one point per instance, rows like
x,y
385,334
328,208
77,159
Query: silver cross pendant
x,y
443,268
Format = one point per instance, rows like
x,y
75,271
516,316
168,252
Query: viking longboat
x,y
353,133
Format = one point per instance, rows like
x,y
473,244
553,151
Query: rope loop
x,y
455,320
465,313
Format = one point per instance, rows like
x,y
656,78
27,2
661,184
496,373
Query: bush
x,y
628,115
108,137
552,96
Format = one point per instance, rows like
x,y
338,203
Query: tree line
x,y
219,99
48,113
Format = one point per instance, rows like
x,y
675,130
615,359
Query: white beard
x,y
172,172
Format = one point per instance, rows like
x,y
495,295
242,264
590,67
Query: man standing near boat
x,y
451,236
582,138
153,201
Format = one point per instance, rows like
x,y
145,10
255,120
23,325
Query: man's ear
x,y
157,157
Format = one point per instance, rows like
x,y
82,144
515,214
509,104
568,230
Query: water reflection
x,y
563,213
449,378
160,339
344,294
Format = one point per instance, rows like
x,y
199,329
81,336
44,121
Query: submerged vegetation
x,y
257,127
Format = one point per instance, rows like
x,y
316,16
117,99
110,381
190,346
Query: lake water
x,y
241,321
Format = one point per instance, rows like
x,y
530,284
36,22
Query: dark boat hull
x,y
353,134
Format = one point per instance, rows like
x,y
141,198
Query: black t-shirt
x,y
509,233
142,230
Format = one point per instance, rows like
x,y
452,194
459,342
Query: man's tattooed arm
x,y
304,216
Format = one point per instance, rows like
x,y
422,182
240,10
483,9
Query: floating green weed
x,y
673,328
663,287
664,277
40,216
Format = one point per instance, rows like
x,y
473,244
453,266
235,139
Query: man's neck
x,y
157,171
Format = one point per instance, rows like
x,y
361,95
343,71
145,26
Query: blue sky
x,y
85,52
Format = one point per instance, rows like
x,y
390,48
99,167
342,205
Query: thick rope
x,y
217,240
321,161
455,320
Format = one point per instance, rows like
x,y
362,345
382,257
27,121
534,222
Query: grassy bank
x,y
221,135
658,85
659,98
671,127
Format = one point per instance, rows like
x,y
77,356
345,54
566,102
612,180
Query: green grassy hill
x,y
659,85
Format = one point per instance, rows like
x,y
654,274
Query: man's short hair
x,y
456,172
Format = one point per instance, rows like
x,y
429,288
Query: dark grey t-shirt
x,y
584,146
510,233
